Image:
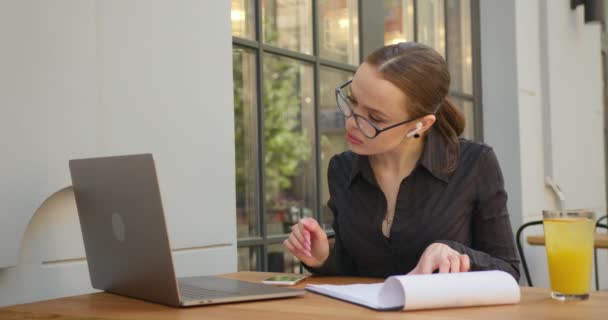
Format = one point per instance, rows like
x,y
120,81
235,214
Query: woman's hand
x,y
308,242
439,256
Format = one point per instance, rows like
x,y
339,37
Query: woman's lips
x,y
352,139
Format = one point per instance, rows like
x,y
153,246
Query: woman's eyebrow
x,y
368,107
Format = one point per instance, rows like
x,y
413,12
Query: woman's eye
x,y
375,119
352,101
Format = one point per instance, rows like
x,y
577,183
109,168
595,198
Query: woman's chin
x,y
360,149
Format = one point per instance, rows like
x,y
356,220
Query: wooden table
x,y
601,240
536,304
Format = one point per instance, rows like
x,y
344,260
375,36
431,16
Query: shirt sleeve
x,y
339,261
493,245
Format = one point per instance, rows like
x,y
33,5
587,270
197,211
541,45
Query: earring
x,y
416,131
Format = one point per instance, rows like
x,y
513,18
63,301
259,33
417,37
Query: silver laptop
x,y
126,242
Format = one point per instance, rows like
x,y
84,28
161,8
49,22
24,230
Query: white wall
x,y
499,96
556,115
576,100
88,78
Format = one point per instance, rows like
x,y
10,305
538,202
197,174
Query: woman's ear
x,y
427,122
422,125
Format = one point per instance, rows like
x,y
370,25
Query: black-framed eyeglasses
x,y
369,129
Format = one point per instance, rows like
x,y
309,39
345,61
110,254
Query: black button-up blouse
x,y
465,209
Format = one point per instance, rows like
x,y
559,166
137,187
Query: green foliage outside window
x,y
286,143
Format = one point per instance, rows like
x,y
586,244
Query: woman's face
x,y
378,100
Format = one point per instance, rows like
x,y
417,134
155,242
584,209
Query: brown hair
x,y
422,74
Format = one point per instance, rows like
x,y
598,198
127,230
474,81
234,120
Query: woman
x,y
410,197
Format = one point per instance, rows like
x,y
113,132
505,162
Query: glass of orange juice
x,y
569,237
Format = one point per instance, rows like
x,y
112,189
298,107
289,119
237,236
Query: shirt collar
x,y
433,156
361,167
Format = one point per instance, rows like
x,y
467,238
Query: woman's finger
x,y
305,234
315,230
290,247
297,233
465,263
444,266
295,242
425,265
454,264
298,253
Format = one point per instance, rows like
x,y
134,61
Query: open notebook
x,y
429,291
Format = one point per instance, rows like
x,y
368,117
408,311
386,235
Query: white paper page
x,y
364,294
451,290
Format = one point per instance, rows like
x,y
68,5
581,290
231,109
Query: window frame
x,y
261,242
371,36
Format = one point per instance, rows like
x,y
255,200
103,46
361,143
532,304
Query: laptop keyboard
x,y
209,288
191,292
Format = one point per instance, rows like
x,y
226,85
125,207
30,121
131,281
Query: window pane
x,y
281,260
248,258
431,24
466,106
244,77
289,167
243,18
459,45
398,21
288,24
331,131
339,30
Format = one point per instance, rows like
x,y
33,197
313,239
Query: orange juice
x,y
569,245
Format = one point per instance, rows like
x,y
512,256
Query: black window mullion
x,y
445,28
317,90
337,65
476,65
462,95
245,43
262,261
249,242
288,53
415,5
360,14
259,241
